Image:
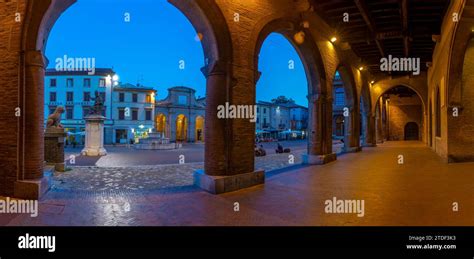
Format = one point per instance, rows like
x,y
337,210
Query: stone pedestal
x,y
319,159
94,144
227,183
54,148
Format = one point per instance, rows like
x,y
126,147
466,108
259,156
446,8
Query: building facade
x,y
75,90
133,112
180,116
281,120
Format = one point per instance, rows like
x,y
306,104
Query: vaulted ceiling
x,y
378,28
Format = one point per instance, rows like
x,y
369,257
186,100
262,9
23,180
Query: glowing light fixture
x,y
333,39
361,68
372,82
115,78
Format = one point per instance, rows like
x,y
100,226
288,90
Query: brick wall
x,y
10,39
402,111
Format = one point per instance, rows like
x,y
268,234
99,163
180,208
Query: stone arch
x,y
423,128
307,50
40,16
380,88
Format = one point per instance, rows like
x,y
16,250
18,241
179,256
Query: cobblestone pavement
x,y
93,178
419,192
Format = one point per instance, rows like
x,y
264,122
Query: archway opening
x,y
411,131
133,84
345,112
199,129
161,125
181,128
281,127
399,114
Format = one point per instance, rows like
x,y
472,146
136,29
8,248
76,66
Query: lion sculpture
x,y
54,120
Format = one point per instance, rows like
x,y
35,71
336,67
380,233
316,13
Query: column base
x,y
319,159
352,149
230,183
60,167
33,189
94,152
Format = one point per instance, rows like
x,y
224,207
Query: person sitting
x,y
262,151
279,148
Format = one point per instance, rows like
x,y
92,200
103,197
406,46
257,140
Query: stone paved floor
x,y
419,192
94,178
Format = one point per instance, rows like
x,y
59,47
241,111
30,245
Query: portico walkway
x,y
419,192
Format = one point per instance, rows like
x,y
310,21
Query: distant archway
x,y
181,128
199,134
160,124
411,131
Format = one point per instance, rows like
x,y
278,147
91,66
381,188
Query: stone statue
x,y
98,104
54,120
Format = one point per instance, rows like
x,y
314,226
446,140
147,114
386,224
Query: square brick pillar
x,y
370,140
31,182
228,165
319,131
352,134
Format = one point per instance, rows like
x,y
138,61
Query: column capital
x,y
215,67
321,97
34,58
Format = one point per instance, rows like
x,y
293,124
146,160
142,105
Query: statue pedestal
x,y
54,148
94,144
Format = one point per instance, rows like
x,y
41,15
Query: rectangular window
x,y
69,82
102,95
148,115
87,96
121,97
52,96
69,112
102,82
85,111
134,98
134,115
69,96
264,110
148,98
121,113
87,82
52,82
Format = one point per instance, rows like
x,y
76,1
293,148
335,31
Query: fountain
x,y
156,141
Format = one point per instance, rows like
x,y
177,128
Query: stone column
x,y
220,173
319,131
34,115
32,182
352,134
94,145
370,140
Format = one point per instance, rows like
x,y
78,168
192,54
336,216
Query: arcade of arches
x,y
381,106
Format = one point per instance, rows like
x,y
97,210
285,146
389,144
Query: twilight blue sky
x,y
149,47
